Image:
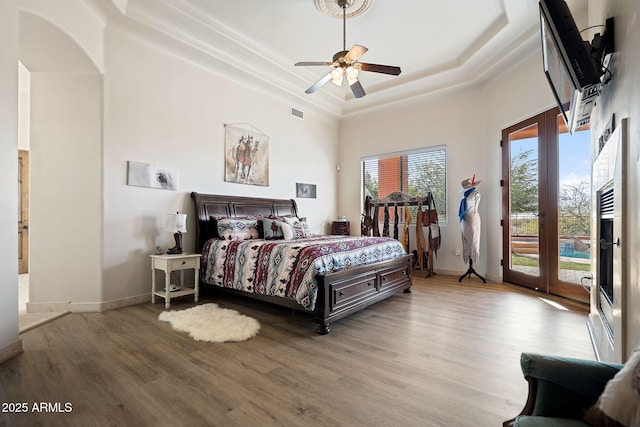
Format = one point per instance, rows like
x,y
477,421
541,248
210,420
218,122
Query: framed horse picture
x,y
246,155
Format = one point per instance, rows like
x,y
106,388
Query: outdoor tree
x,y
575,209
429,176
371,185
524,183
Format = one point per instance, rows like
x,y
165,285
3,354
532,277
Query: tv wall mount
x,y
601,48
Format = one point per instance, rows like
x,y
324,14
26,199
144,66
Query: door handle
x,y
604,243
25,227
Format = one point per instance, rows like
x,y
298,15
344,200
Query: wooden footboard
x,y
345,292
348,291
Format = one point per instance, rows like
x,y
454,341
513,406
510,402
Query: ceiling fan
x,y
345,63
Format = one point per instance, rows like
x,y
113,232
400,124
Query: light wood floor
x,y
445,355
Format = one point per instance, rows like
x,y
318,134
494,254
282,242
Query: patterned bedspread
x,y
287,268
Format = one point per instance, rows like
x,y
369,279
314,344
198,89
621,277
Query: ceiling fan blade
x,y
317,85
356,52
304,64
357,89
384,69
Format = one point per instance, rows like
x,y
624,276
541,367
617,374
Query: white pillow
x,y
300,224
620,400
287,231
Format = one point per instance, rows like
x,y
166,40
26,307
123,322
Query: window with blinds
x,y
415,173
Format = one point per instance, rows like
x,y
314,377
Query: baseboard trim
x,y
494,279
125,302
593,339
86,307
47,307
11,350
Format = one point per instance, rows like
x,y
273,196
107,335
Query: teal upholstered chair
x,y
560,390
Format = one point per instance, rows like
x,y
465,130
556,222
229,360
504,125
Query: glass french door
x,y
546,206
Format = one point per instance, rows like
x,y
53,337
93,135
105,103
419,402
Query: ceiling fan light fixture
x,y
337,76
352,75
345,63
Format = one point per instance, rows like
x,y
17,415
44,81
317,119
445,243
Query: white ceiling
x,y
437,44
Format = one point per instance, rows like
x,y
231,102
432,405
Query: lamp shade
x,y
176,222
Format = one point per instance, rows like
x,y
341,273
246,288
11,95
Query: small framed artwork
x,y
147,175
305,191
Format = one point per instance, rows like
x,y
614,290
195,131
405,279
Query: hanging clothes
x,y
434,238
421,244
405,233
395,222
385,226
376,220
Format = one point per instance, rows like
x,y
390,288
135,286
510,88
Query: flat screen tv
x,y
572,72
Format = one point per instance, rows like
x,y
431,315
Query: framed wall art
x,y
146,175
246,155
305,191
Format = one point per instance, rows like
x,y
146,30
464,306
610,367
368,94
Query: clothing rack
x,y
395,200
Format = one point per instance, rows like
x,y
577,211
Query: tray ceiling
x,y
437,44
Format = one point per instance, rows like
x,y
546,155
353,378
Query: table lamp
x,y
177,224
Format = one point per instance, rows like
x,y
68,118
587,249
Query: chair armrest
x,y
587,378
562,386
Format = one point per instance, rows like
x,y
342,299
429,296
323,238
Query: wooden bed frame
x,y
340,293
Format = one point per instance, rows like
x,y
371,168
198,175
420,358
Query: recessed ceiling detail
x,y
333,8
221,35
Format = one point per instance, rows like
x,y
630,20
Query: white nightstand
x,y
169,263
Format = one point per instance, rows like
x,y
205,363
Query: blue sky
x,y
575,157
574,154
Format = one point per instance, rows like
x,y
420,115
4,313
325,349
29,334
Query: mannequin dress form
x,y
470,225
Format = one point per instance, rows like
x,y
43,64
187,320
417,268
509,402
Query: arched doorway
x,y
63,123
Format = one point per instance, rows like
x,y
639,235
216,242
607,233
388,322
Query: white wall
x,y
620,97
166,111
10,343
24,107
66,182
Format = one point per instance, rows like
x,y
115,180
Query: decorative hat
x,y
468,183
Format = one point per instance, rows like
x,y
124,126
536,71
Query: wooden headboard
x,y
208,205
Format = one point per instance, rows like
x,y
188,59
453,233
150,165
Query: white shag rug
x,y
211,323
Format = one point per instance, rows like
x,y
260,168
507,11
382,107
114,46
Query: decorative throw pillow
x,y
620,401
299,225
240,228
287,231
272,229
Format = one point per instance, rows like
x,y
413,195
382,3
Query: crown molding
x,y
178,27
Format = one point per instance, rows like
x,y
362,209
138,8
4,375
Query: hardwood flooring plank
x,y
446,354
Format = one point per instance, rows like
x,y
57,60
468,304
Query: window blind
x,y
414,172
